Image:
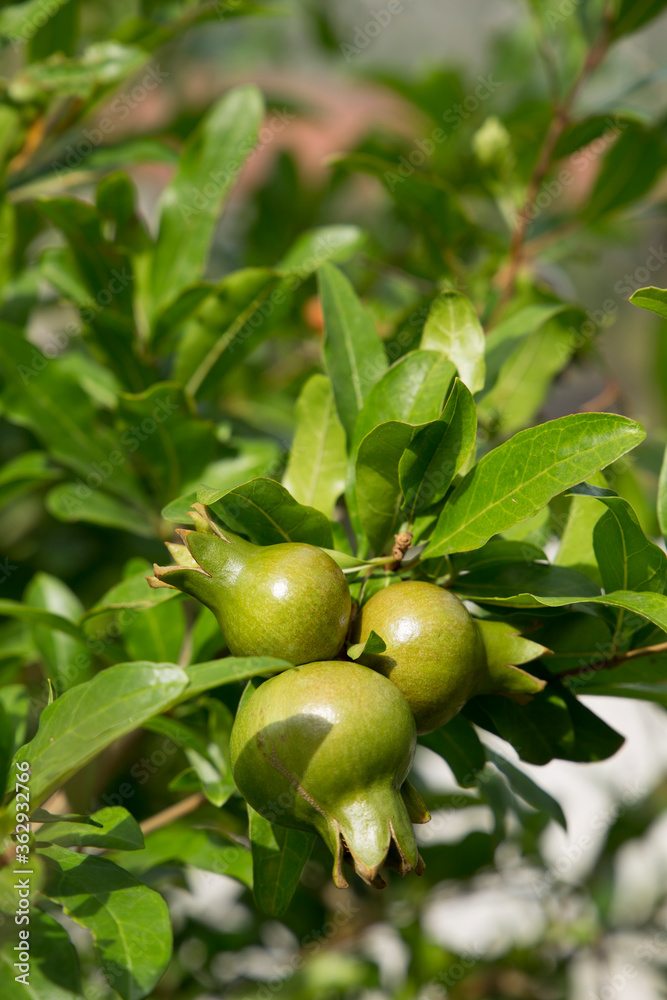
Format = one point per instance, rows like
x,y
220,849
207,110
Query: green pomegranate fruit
x,y
288,600
437,654
328,746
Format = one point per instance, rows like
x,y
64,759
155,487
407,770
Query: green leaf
x,y
278,858
68,503
214,673
313,247
197,840
353,352
538,731
38,616
116,828
512,482
460,746
651,298
57,648
524,786
315,473
129,922
413,390
453,328
88,718
156,632
520,583
264,510
576,547
438,452
191,204
626,557
378,490
132,593
54,963
373,645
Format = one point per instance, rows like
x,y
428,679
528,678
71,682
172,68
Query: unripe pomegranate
x,y
327,746
289,600
436,653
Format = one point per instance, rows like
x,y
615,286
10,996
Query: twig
x,y
616,661
168,815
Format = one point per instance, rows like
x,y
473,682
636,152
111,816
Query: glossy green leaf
x,y
651,298
264,510
315,473
129,922
213,673
413,390
512,482
191,204
88,718
278,858
353,353
460,746
114,828
312,248
54,963
453,328
438,452
524,786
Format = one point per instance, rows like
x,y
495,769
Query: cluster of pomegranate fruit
x,y
328,745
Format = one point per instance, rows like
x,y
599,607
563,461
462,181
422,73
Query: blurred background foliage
x,y
422,124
